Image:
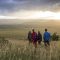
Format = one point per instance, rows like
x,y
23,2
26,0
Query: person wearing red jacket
x,y
34,38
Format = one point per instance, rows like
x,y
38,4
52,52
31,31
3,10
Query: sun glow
x,y
33,15
37,15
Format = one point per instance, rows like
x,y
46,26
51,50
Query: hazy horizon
x,y
26,21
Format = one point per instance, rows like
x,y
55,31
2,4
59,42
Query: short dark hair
x,y
32,29
45,29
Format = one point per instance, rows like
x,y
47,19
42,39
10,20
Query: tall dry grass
x,y
28,52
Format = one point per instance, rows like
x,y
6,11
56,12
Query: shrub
x,y
55,37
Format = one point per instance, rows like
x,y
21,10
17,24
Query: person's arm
x,y
28,36
44,36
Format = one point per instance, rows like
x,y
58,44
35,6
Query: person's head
x,y
55,33
45,30
29,31
38,31
33,30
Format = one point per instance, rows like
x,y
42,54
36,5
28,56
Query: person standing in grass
x,y
34,38
46,38
39,37
30,37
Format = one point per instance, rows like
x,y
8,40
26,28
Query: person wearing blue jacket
x,y
46,38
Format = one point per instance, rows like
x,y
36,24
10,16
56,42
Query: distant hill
x,y
11,21
38,23
50,24
28,22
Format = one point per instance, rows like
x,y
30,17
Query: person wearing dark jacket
x,y
30,37
39,37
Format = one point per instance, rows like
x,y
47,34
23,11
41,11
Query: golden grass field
x,y
21,50
20,31
14,44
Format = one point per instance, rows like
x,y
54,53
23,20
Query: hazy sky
x,y
29,9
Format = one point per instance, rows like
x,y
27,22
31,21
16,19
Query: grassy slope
x,y
20,31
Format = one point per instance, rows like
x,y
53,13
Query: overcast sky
x,y
19,8
8,6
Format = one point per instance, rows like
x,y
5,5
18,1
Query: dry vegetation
x,y
20,31
16,46
21,50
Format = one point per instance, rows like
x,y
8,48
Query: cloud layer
x,y
7,6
